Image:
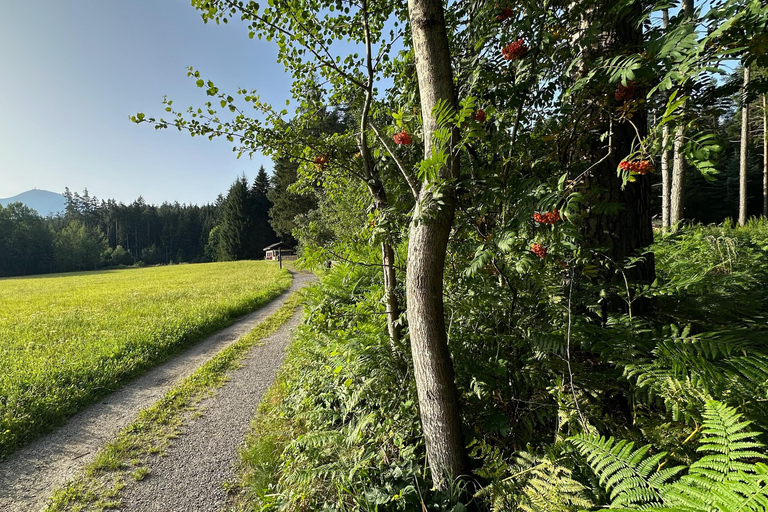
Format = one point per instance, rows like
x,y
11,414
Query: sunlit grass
x,y
67,339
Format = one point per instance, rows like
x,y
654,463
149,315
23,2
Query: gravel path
x,y
29,476
190,476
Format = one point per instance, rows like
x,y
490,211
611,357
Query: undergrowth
x,y
543,370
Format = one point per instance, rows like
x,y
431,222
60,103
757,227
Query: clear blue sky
x,y
71,72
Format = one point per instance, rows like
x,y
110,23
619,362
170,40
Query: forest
x,y
93,234
548,227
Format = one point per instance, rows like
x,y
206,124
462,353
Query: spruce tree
x,y
263,234
233,236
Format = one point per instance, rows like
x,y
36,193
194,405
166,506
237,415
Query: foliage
x,y
67,340
728,477
339,429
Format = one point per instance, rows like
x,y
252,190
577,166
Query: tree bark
x,y
677,194
429,232
765,155
392,304
378,194
744,149
624,231
665,176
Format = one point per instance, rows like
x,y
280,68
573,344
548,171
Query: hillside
x,y
45,202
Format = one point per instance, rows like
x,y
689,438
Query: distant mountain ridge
x,y
43,201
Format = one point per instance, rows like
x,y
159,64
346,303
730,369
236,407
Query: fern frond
x,y
725,438
631,477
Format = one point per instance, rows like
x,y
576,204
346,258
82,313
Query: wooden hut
x,y
280,250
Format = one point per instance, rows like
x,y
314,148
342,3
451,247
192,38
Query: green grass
x,y
99,487
66,340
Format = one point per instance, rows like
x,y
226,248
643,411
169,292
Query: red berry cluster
x,y
505,14
321,160
403,138
539,250
625,92
637,166
479,116
547,218
515,50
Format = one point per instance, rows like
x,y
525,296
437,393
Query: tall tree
x,y
287,204
235,222
617,224
765,155
744,149
263,234
677,192
665,153
429,232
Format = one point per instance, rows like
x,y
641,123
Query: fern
x,y
631,477
538,484
727,478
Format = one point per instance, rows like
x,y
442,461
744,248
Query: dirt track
x,y
29,476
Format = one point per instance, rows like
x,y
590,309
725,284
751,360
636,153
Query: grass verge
x,y
98,488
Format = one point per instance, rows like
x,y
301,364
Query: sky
x,y
72,72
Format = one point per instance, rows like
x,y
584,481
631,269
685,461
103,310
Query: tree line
x,y
92,233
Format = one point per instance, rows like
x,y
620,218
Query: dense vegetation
x,y
93,234
66,340
500,299
340,429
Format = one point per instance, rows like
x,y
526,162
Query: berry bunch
x,y
479,116
505,14
547,218
539,250
637,166
515,50
403,138
625,92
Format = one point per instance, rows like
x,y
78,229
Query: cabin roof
x,y
278,245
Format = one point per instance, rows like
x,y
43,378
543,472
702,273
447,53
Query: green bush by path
x,y
66,340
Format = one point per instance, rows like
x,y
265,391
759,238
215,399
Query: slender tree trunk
x,y
677,194
378,194
744,149
390,295
392,304
665,176
429,232
765,155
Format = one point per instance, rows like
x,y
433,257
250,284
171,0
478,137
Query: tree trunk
x,y
765,155
624,231
744,149
378,194
429,232
677,194
665,177
392,304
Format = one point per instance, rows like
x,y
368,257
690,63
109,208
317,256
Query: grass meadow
x,y
67,339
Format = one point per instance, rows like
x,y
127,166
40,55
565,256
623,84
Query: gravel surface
x,y
190,476
29,476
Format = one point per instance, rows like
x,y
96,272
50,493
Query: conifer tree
x,y
233,234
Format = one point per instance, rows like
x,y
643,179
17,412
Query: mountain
x,y
45,202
